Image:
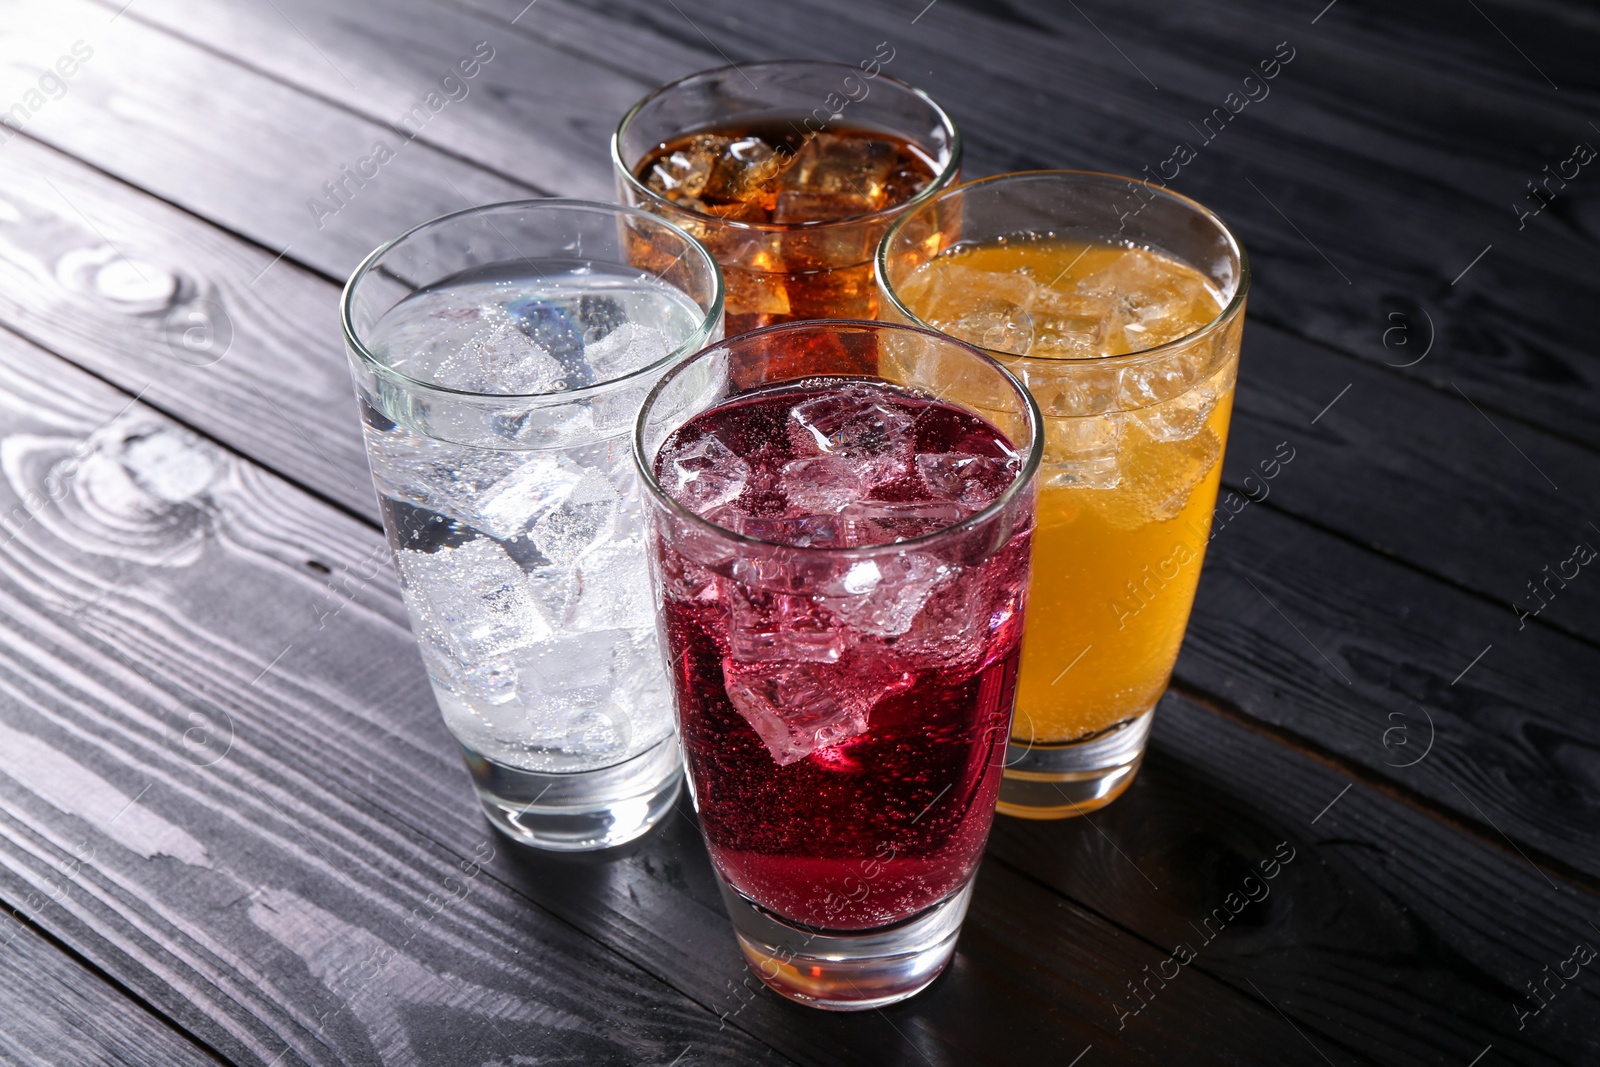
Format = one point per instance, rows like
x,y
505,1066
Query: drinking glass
x,y
821,265
844,705
500,355
1120,304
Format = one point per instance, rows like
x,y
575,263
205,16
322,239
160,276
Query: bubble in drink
x,y
525,569
1133,452
827,703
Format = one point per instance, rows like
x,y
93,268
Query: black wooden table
x,y
233,828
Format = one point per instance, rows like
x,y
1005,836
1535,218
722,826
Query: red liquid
x,y
849,780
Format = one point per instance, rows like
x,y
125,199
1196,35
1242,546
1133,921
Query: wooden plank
x,y
57,1011
235,863
532,112
1388,931
1485,504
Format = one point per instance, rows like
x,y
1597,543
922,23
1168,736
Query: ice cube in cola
x,y
776,176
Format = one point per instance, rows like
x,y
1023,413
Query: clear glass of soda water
x,y
500,355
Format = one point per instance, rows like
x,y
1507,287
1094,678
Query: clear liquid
x,y
572,325
524,569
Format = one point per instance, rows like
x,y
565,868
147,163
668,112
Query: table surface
x,y
233,828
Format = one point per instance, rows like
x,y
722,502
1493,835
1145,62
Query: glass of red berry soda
x,y
841,561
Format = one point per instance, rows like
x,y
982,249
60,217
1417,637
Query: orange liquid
x,y
1133,458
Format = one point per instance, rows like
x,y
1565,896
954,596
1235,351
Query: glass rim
x,y
696,341
1030,465
1229,311
940,183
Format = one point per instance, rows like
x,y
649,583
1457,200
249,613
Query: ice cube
x,y
629,347
975,481
795,206
992,322
613,587
603,728
854,423
553,588
639,682
537,482
961,622
569,663
500,358
796,708
743,171
1080,452
888,592
474,598
799,531
705,475
799,709
490,681
873,522
769,626
1157,299
685,172
1169,407
1159,477
830,483
583,518
843,165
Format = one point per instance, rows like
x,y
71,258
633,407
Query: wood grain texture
x,y
532,112
233,146
1388,932
184,315
57,1012
162,812
1373,663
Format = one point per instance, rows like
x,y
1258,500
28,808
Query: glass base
x,y
580,811
847,971
1059,781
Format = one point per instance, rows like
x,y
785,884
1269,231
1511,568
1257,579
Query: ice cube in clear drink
x,y
795,708
583,518
884,595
